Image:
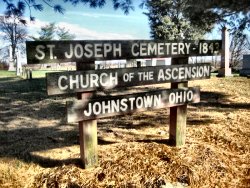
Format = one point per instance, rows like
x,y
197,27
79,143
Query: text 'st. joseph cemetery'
x,y
84,51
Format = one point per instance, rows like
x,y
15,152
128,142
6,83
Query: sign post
x,y
85,81
87,128
178,114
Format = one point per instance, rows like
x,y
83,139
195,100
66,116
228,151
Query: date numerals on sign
x,y
209,48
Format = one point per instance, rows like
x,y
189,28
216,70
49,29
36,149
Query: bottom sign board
x,y
80,110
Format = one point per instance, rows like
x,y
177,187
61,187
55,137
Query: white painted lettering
x,y
104,81
88,51
190,95
139,102
143,49
69,54
107,48
115,106
40,53
181,47
157,101
97,108
117,50
98,50
161,75
124,105
168,74
78,51
106,107
178,97
88,113
167,48
171,98
61,87
160,48
206,70
86,84
181,73
152,49
148,101
131,100
174,49
74,82
51,47
94,80
188,47
201,72
135,53
175,73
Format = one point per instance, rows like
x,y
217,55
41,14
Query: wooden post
x,y
178,114
87,129
138,63
30,74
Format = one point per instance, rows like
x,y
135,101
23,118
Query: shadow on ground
x,y
218,100
25,99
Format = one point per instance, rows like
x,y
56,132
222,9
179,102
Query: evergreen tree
x,y
201,13
168,20
47,32
52,32
64,34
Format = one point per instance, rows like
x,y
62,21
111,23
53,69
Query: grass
x,y
4,74
35,73
39,149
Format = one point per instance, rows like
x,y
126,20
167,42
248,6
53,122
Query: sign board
x,y
87,110
82,81
118,105
91,50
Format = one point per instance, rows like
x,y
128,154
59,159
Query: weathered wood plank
x,y
87,51
87,130
178,114
82,81
88,143
87,109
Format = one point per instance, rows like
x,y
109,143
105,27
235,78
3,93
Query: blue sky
x,y
99,23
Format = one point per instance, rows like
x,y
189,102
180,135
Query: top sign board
x,y
91,50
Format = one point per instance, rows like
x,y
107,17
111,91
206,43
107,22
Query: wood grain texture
x,y
100,107
178,114
92,50
101,80
87,130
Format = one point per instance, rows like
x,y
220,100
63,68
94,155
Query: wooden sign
x,y
91,50
82,81
118,105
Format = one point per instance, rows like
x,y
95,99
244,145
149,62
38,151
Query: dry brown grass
x,y
38,149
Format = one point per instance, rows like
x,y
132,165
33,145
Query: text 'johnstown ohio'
x,y
105,107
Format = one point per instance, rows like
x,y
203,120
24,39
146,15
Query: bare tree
x,y
238,47
12,25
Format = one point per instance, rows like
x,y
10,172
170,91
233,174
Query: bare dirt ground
x,y
39,149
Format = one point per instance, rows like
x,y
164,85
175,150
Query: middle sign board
x,y
104,79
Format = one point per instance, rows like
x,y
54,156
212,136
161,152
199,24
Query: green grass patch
x,y
35,74
5,74
39,74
